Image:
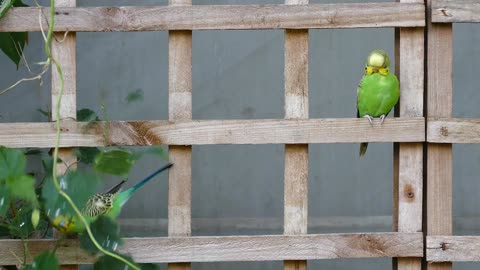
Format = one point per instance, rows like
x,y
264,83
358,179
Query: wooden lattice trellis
x,y
441,247
296,131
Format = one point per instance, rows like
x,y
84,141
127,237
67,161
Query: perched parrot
x,y
109,204
378,91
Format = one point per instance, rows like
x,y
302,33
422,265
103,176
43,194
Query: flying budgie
x,y
378,91
108,204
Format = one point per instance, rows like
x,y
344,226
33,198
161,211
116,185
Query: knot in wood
x,y
444,131
444,12
409,192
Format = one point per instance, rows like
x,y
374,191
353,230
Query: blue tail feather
x,y
127,194
150,177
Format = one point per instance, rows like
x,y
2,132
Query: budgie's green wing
x,y
358,90
377,94
363,146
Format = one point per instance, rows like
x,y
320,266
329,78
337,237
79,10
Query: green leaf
x,y
12,162
108,263
4,200
151,150
5,6
12,44
21,225
19,3
116,162
150,266
106,232
78,185
86,115
33,151
46,260
4,231
86,154
134,96
47,164
158,151
23,187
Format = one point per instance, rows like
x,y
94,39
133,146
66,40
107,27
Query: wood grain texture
x,y
180,109
220,17
204,132
448,11
238,248
453,248
296,189
409,184
411,105
453,130
296,156
439,87
439,156
64,51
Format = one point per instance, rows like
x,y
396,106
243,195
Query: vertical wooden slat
x,y
396,146
408,178
180,108
296,156
439,156
64,51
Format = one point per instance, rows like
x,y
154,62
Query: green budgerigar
x,y
378,91
108,204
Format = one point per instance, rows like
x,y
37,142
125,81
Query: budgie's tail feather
x,y
127,194
363,148
116,188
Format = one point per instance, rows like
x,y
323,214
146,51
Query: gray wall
x,y
239,75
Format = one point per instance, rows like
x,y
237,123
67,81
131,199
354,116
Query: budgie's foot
x,y
382,117
370,119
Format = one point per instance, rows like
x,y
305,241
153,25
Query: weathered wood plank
x,y
458,11
64,51
453,130
453,248
180,109
238,248
296,155
439,156
410,155
411,105
221,17
439,87
270,131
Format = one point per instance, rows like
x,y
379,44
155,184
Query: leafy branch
x,y
22,186
57,143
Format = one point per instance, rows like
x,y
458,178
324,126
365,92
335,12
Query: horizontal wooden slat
x,y
237,248
270,131
453,248
458,11
221,17
453,130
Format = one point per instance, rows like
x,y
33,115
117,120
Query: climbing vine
x,y
29,201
